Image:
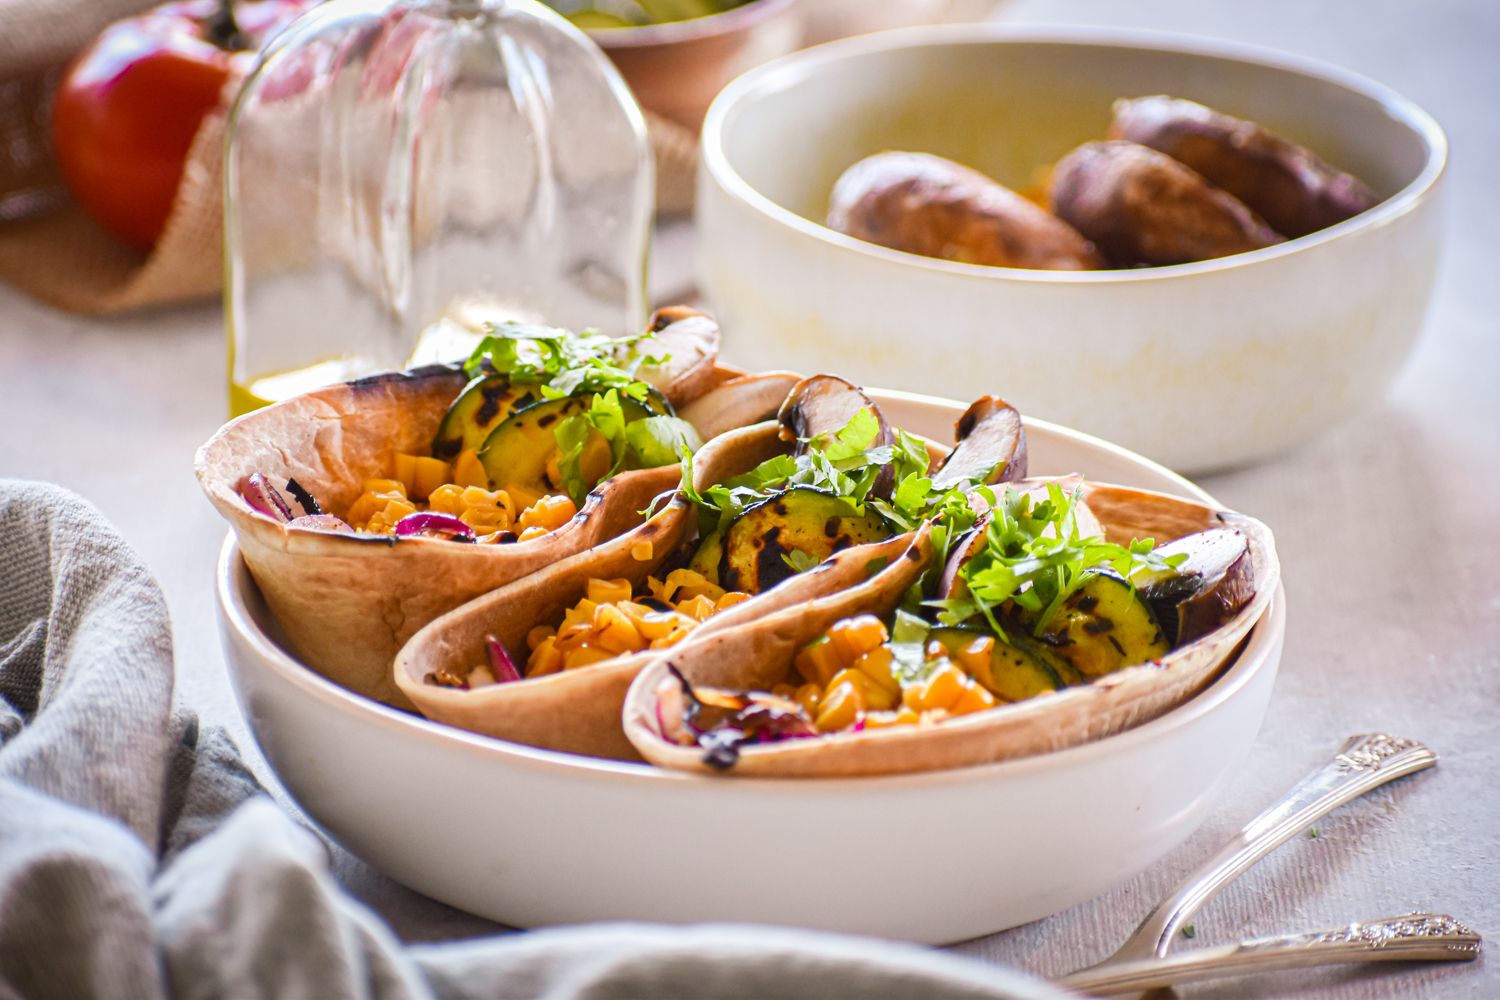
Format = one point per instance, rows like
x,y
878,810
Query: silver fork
x,y
1363,763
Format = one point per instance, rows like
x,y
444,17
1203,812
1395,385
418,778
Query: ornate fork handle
x,y
1363,763
1407,938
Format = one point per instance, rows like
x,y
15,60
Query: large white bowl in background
x,y
531,837
1201,366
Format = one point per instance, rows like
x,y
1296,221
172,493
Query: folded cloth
x,y
139,857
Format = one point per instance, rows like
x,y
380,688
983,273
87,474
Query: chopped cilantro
x,y
1190,931
799,561
559,364
1035,557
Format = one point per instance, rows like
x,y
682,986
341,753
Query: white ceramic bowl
x,y
1201,366
531,837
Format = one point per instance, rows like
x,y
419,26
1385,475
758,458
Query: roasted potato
x,y
1287,185
1141,207
927,205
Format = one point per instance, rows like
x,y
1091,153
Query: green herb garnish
x,y
845,464
1035,557
908,645
560,364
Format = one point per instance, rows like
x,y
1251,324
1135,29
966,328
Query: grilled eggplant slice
x,y
1206,590
824,404
688,341
1103,626
484,404
758,543
517,454
991,446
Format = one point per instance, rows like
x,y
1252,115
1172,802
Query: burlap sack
x,y
50,250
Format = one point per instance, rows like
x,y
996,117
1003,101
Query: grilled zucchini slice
x,y
802,519
1103,626
519,456
484,404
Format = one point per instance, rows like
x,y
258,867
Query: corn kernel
x,y
882,720
819,661
683,584
406,470
531,533
876,665
447,499
698,608
671,638
840,709
614,632
602,591
538,635
973,699
731,598
941,690
585,656
430,474
545,659
857,635
974,654
469,471
658,624
872,695
643,550
385,486
548,513
809,696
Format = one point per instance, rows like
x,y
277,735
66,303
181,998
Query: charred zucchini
x,y
484,404
1014,672
1103,626
758,544
520,455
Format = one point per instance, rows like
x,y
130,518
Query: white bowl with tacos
x,y
533,837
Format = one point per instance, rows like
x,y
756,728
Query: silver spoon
x,y
1365,762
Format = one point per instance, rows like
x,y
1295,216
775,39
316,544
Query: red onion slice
x,y
263,498
501,665
427,523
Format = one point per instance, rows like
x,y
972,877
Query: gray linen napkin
x,y
140,858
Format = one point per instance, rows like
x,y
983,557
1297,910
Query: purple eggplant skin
x,y
991,446
824,404
1207,589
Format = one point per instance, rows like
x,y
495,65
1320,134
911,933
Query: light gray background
x,y
1386,527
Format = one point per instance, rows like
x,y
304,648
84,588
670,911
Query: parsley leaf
x,y
559,363
799,561
1035,556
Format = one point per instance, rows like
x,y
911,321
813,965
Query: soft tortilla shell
x,y
346,603
761,656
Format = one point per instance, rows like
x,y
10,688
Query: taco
x,y
1053,619
365,510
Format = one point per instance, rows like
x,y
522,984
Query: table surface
x,y
1386,527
